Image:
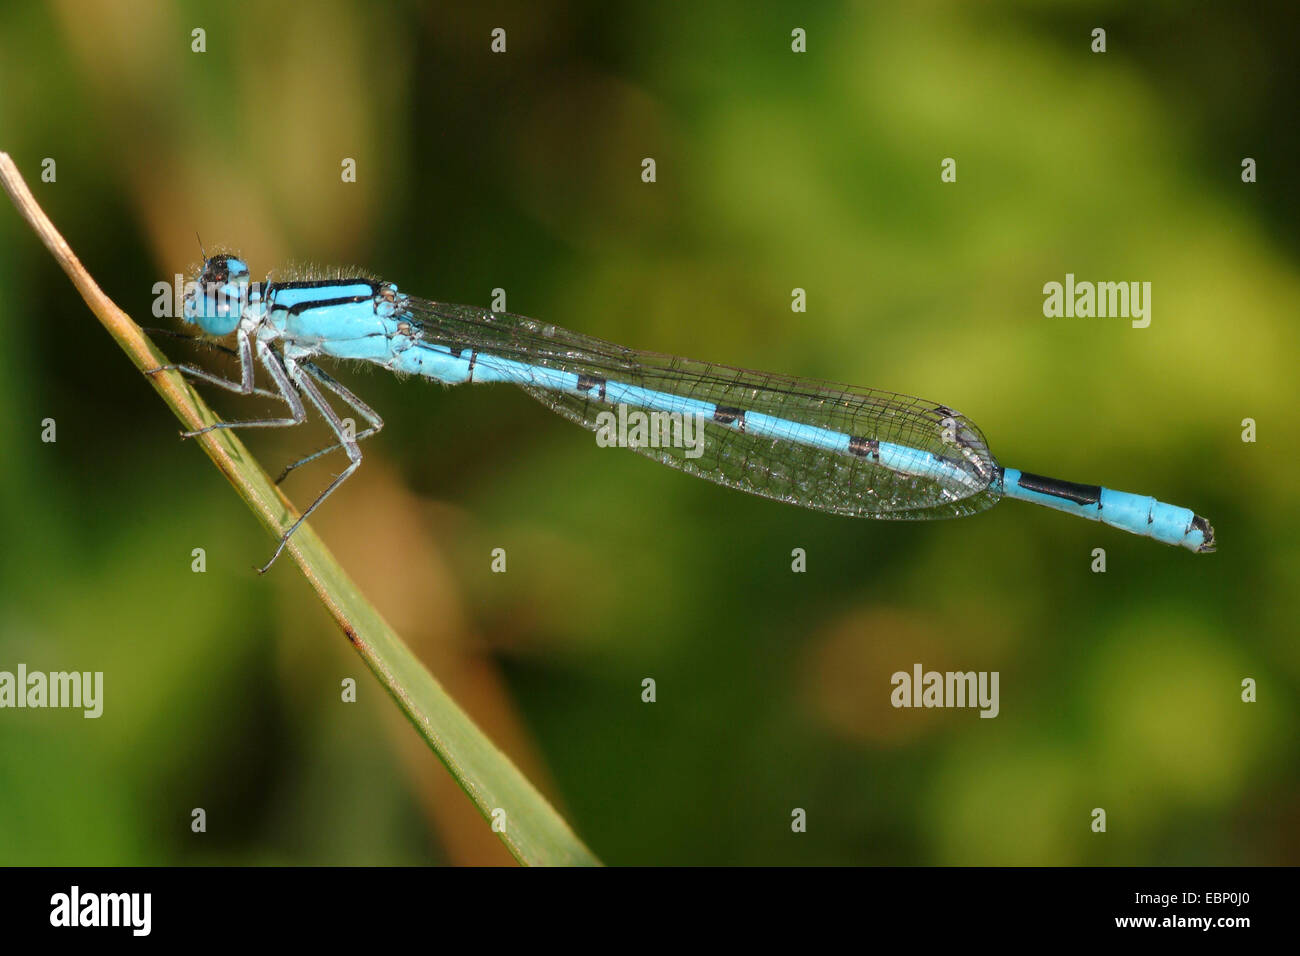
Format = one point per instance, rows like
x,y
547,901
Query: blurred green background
x,y
775,170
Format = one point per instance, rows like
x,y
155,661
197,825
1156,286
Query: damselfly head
x,y
215,300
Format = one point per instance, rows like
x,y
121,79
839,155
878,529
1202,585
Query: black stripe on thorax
x,y
301,307
307,306
321,283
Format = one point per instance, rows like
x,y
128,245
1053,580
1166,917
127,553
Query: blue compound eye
x,y
219,294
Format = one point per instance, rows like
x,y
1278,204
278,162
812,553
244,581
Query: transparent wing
x,y
766,434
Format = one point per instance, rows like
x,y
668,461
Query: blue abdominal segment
x,y
1138,514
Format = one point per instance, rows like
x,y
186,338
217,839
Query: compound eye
x,y
220,270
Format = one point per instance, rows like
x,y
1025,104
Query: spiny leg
x,y
245,384
204,342
308,388
288,394
364,410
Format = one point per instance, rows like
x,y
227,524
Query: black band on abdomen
x,y
1069,490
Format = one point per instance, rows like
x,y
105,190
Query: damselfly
x,y
852,451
